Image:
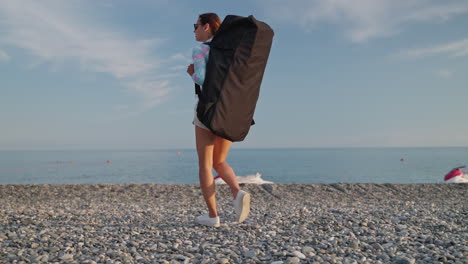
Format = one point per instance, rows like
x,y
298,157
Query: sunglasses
x,y
195,26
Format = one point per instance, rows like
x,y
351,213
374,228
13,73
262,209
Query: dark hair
x,y
212,19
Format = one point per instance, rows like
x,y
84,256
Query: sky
x,y
111,74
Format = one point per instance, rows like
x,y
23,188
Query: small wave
x,y
252,179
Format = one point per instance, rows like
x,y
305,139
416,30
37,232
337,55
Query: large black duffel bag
x,y
234,71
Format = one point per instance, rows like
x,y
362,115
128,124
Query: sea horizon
x,y
277,165
234,147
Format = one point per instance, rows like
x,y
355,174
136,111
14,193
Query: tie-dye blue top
x,y
200,58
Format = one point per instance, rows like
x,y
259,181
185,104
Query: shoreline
x,y
289,223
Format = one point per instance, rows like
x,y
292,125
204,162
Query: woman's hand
x,y
190,69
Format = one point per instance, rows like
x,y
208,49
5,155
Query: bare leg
x,y
221,150
205,145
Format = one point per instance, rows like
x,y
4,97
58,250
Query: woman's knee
x,y
219,166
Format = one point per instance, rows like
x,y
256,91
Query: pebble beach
x,y
288,223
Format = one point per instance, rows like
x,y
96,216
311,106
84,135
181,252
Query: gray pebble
x,y
67,257
223,261
314,223
404,260
298,254
354,245
250,254
293,260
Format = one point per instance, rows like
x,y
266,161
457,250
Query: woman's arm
x,y
199,62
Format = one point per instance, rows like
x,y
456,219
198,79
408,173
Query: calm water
x,y
364,165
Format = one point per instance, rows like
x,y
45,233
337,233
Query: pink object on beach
x,y
452,174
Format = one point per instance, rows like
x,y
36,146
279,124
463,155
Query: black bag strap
x,y
198,91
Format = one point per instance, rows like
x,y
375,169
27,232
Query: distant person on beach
x,y
212,150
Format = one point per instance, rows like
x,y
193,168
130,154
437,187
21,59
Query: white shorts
x,y
197,122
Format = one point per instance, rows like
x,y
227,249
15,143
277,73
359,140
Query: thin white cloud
x,y
52,33
4,57
152,92
452,49
180,56
120,108
363,20
444,73
178,68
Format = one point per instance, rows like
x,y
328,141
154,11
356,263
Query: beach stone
x,y
293,260
298,254
377,246
307,250
67,257
11,257
443,259
450,257
132,244
235,259
12,235
277,262
128,259
43,258
384,257
404,260
54,249
387,245
427,259
250,254
354,245
401,228
223,261
163,246
272,233
30,258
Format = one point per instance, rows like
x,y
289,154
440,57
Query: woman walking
x,y
212,150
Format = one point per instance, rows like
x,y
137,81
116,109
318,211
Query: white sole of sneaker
x,y
245,208
207,223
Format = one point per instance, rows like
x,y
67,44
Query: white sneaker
x,y
242,206
205,219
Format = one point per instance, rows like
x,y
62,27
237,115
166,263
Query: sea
x,y
282,165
